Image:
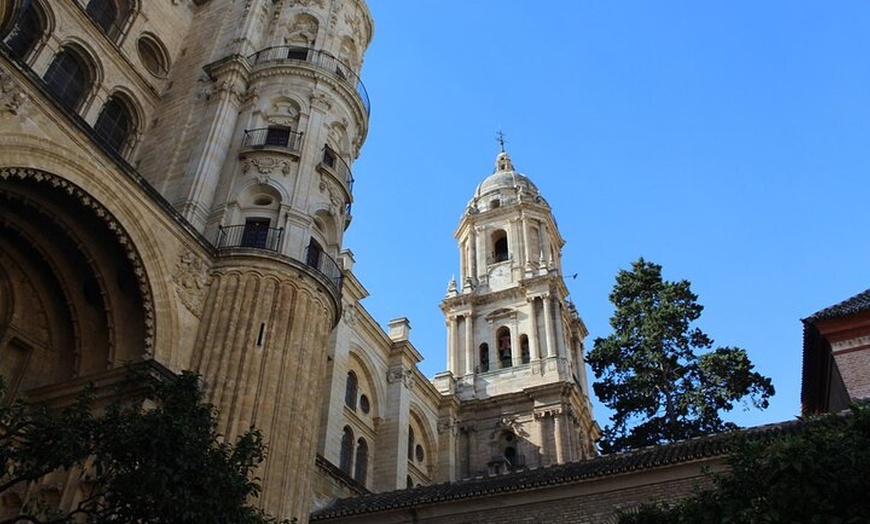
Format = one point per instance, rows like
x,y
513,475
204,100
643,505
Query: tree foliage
x,y
649,370
155,457
818,475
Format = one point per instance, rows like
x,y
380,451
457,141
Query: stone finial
x,y
451,287
400,329
346,259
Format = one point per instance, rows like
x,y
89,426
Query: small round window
x,y
419,453
152,56
364,404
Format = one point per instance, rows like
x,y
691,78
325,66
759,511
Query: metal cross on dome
x,y
500,138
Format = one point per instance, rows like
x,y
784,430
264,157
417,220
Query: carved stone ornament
x,y
548,412
309,3
349,314
329,187
191,281
266,165
354,22
403,375
283,113
127,244
321,101
448,425
11,96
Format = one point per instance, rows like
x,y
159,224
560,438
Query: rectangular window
x,y
297,53
278,136
256,233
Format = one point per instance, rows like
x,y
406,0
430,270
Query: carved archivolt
x,y
191,281
124,240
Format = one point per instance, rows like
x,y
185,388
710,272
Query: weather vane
x,y
500,139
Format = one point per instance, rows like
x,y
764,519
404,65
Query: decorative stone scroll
x,y
266,165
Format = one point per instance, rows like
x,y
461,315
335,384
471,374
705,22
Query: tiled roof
x,y
606,465
850,306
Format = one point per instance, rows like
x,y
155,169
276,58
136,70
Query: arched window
x,y
525,353
68,78
499,246
350,390
115,123
108,15
29,28
410,443
103,13
505,356
312,254
346,457
362,461
484,357
510,456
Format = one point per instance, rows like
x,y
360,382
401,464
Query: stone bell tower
x,y
515,342
254,145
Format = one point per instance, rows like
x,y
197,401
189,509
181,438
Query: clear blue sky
x,y
726,141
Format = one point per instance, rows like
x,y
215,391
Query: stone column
x,y
541,437
514,247
480,236
558,437
469,345
527,241
548,326
516,350
472,254
561,340
452,346
534,343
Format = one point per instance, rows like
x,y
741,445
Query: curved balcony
x,y
324,264
250,235
332,163
273,137
253,235
317,58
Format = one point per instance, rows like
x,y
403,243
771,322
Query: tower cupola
x,y
505,186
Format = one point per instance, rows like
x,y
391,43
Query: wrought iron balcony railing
x,y
275,136
337,166
325,264
254,236
250,235
318,58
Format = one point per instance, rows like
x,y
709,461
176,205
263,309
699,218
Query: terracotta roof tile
x,y
850,306
605,465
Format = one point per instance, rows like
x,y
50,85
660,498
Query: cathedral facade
x,y
175,183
